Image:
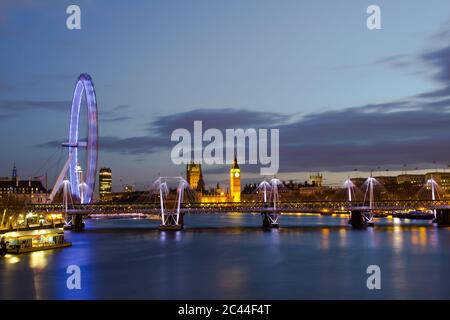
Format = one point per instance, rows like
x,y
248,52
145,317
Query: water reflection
x,y
11,259
165,236
433,238
226,257
372,237
397,236
419,237
38,260
231,279
343,237
325,238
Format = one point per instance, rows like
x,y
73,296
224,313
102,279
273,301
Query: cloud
x,y
121,107
130,146
397,61
353,138
440,59
5,87
364,137
13,108
161,129
49,144
115,119
133,145
412,131
442,35
26,105
217,118
439,93
115,115
6,116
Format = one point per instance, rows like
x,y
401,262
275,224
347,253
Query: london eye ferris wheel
x,y
81,187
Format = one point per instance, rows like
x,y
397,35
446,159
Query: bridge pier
x,y
172,222
358,219
442,217
270,219
77,222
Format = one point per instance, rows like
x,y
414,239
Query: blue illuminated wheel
x,y
83,189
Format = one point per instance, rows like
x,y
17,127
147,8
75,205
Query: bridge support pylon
x,y
270,219
442,217
360,219
172,222
77,222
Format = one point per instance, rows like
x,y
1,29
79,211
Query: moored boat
x,y
414,214
17,242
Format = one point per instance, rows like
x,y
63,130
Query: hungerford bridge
x,y
359,213
270,206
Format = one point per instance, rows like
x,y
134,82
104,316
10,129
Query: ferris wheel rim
x,y
83,87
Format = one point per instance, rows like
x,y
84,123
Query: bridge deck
x,y
288,206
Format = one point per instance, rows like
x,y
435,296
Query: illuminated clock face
x,y
236,174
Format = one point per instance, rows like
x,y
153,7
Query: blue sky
x,y
340,88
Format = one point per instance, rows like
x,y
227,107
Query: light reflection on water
x,y
230,256
38,260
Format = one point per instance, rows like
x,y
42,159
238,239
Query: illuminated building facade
x,y
235,182
215,195
412,179
442,179
194,177
28,191
79,173
105,183
316,179
14,173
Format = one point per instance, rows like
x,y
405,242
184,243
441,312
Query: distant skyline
x,y
343,97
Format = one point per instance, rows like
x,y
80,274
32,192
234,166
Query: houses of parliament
x,y
194,177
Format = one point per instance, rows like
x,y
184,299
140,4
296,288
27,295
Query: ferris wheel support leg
x,y
60,179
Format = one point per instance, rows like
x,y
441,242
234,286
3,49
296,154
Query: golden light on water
x,y
397,237
38,260
420,237
10,259
343,237
325,238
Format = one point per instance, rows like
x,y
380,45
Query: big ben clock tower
x,y
235,182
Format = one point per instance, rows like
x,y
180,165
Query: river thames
x,y
229,256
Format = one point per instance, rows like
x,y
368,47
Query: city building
x,y
441,178
128,188
235,182
31,190
131,196
14,173
387,181
316,179
358,181
105,183
412,179
194,177
216,194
